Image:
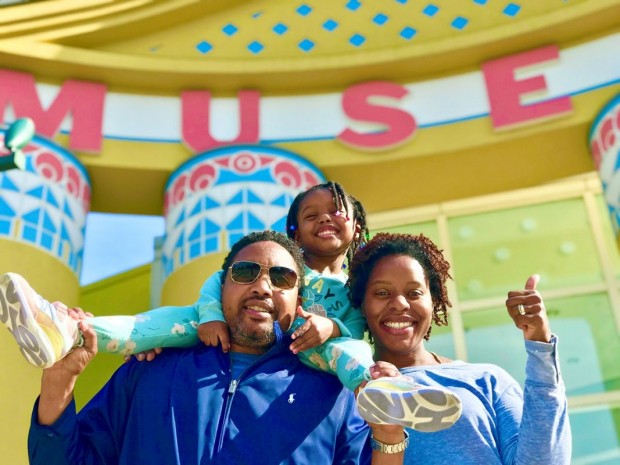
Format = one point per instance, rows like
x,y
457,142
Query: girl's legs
x,y
160,327
45,332
349,359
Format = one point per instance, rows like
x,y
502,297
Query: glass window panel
x,y
589,344
428,228
496,251
608,232
596,436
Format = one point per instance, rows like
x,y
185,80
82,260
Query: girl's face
x,y
398,307
322,229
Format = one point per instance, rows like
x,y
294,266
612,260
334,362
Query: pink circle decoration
x,y
311,179
202,177
166,202
288,174
49,166
86,195
178,191
244,162
73,181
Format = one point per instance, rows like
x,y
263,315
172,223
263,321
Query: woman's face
x,y
398,307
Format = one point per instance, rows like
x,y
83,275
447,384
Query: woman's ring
x,y
521,309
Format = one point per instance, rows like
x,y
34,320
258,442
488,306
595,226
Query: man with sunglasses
x,y
257,404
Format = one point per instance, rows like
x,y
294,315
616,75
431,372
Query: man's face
x,y
251,309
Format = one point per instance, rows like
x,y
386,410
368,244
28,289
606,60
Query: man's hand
x,y
58,381
214,333
74,363
527,309
314,332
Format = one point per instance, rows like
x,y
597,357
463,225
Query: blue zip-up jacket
x,y
184,408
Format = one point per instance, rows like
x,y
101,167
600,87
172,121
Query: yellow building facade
x,y
489,125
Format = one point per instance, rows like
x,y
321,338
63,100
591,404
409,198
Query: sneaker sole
x,y
424,409
16,315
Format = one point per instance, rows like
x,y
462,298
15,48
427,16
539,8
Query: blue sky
x,y
115,243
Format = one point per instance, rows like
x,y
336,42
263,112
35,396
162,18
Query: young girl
x,y
330,226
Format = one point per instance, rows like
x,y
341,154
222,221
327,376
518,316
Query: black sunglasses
x,y
246,272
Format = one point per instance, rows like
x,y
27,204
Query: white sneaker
x,y
43,331
401,401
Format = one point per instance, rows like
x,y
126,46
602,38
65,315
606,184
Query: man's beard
x,y
263,337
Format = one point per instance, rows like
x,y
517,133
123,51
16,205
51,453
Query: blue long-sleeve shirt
x,y
184,408
501,424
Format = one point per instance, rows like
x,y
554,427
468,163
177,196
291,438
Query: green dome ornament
x,y
18,135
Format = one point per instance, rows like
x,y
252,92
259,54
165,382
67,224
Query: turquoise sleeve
x,y
210,301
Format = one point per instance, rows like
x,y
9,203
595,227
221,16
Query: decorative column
x,y
42,218
216,198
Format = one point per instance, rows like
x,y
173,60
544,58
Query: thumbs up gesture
x,y
527,309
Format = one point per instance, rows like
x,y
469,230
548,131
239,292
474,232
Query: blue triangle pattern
x,y
64,233
236,223
67,210
36,192
210,226
211,203
281,201
236,199
255,199
254,223
279,225
8,184
48,224
195,234
181,218
181,241
33,216
51,199
5,210
197,208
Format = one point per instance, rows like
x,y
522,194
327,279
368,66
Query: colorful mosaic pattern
x,y
219,196
46,204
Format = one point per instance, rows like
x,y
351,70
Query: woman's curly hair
x,y
419,247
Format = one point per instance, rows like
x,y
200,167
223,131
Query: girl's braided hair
x,y
419,247
342,201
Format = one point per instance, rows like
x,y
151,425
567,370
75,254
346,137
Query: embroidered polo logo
x,y
291,398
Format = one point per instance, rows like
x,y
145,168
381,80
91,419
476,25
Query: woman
x,y
399,283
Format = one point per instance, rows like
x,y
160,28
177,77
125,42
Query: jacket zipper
x,y
232,389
